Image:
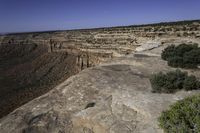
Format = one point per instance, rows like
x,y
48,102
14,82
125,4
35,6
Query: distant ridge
x,y
182,22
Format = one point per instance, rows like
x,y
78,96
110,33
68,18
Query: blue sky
x,y
42,15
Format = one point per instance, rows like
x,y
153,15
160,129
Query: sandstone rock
x,y
147,46
121,95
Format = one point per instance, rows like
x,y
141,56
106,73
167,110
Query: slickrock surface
x,y
111,98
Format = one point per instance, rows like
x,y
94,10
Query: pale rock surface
x,y
148,46
112,98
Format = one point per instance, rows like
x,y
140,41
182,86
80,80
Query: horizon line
x,y
103,27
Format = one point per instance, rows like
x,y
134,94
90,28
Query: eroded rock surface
x,y
111,98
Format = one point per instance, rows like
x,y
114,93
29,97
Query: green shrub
x,y
180,50
190,83
158,81
182,117
176,61
173,81
184,56
192,58
168,52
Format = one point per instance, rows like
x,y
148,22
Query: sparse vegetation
x,y
182,117
184,55
173,81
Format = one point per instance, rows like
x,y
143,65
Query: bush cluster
x,y
182,117
173,81
184,55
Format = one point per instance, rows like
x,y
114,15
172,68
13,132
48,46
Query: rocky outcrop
x,y
112,98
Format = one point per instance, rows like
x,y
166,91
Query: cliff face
x,y
114,97
28,71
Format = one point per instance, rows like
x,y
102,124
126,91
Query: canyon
x,y
88,81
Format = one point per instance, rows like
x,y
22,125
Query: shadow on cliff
x,y
28,71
